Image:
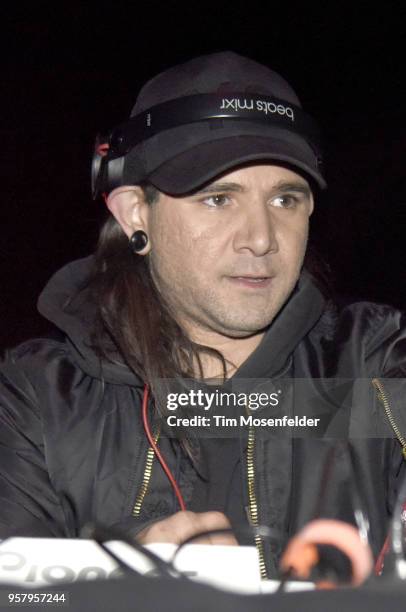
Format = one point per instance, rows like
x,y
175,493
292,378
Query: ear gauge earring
x,y
138,241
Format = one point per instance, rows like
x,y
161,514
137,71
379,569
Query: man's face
x,y
227,257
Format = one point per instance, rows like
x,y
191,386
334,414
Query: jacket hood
x,y
65,301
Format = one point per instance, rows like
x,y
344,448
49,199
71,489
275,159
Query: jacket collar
x,y
294,321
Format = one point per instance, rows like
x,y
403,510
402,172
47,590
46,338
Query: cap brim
x,y
193,168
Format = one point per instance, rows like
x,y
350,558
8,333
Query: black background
x,y
70,70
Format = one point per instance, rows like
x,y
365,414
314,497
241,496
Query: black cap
x,y
180,159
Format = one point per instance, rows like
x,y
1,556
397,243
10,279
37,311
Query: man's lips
x,y
251,280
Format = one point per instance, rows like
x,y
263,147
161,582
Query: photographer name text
x,y
248,420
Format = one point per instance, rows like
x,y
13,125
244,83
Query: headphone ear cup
x,y
112,173
101,148
301,555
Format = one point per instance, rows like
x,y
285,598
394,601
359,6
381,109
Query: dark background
x,y
70,70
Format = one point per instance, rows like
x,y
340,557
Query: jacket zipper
x,y
146,478
384,400
253,505
252,500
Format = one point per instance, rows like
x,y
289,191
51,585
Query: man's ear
x,y
129,208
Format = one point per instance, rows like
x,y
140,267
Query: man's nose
x,y
256,230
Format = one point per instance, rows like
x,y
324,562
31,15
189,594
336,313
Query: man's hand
x,y
183,525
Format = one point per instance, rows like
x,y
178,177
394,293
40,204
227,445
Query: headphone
x,y
301,555
111,151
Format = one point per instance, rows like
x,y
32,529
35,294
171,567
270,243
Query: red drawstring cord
x,y
381,557
387,545
157,451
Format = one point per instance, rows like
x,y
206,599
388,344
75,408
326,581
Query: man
x,y
202,273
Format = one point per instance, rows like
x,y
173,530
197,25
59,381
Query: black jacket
x,y
73,449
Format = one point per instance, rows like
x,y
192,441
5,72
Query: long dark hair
x,y
135,325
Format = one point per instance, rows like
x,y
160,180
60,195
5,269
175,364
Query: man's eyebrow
x,y
216,187
284,186
281,186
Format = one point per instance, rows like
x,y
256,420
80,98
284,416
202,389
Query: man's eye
x,y
285,201
216,201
